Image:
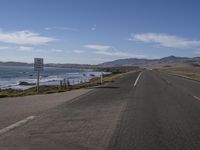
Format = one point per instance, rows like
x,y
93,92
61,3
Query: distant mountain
x,y
47,65
11,63
127,62
173,59
136,61
119,62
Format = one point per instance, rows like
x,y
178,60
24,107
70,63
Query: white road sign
x,y
38,64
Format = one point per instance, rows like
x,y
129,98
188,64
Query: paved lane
x,y
158,116
15,109
87,123
153,115
188,86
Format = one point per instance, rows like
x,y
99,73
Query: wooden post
x,y
61,83
38,81
101,78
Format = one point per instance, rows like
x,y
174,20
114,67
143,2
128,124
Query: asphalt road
x,y
15,109
162,112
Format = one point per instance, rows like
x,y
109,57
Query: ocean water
x,y
10,77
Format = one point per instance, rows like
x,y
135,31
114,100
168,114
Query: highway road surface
x,y
15,109
142,111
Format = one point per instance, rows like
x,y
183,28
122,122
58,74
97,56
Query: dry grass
x,y
56,89
185,70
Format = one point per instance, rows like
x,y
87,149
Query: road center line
x,y
136,81
196,97
17,124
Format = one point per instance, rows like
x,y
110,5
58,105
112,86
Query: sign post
x,y
101,78
38,66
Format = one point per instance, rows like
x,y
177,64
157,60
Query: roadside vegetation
x,y
188,70
115,75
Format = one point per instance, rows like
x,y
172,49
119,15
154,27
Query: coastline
x,y
49,89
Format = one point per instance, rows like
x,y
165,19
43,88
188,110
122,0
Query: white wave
x,y
73,78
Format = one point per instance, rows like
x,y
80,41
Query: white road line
x,y
197,98
15,125
136,81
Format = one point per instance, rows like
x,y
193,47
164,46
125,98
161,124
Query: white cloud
x,y
56,50
197,51
166,40
94,27
3,47
98,47
28,49
112,51
24,38
78,51
119,54
25,48
61,28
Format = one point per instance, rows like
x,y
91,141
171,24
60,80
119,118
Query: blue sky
x,y
95,31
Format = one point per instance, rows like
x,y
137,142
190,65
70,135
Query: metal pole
x,y
38,81
101,78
